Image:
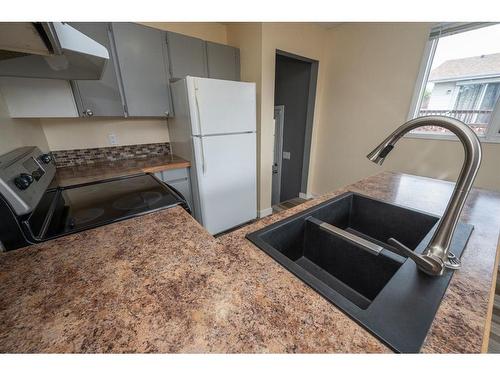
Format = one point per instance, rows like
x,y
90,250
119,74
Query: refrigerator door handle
x,y
203,162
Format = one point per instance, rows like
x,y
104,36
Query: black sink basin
x,y
378,221
340,249
352,271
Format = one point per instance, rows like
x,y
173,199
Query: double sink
x,y
340,249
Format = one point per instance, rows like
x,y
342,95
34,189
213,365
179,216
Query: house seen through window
x,y
462,80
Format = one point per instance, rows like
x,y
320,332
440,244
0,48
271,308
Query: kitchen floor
x,y
288,204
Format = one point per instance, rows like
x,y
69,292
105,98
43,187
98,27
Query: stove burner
x,y
137,201
86,215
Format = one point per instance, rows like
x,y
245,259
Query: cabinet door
x,y
223,61
142,67
186,56
175,174
37,97
102,97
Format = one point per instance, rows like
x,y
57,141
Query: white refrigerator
x,y
214,127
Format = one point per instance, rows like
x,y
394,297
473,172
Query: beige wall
x,y
369,82
69,134
248,38
19,132
258,44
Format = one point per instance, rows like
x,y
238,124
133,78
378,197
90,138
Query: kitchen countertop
x,y
161,283
67,176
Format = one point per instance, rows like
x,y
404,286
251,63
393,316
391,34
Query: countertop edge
x,y
491,302
68,176
167,167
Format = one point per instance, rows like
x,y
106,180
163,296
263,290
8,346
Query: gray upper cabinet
x,y
186,56
102,97
223,61
142,61
135,81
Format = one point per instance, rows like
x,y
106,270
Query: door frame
x,y
279,121
311,101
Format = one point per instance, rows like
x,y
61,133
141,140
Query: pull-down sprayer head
x,y
378,155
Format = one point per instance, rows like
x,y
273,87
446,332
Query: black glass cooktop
x,y
85,206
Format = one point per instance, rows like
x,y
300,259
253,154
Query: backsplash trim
x,y
88,156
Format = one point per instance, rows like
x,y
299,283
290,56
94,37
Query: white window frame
x,y
493,132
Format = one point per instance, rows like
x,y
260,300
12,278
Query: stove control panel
x,y
25,175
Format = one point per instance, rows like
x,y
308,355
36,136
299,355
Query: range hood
x,y
49,50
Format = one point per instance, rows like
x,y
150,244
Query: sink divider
x,y
348,236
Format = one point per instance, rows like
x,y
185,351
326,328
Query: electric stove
x,y
35,212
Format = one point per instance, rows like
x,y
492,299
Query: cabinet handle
x,y
88,113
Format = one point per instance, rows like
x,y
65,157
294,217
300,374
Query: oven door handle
x,y
48,217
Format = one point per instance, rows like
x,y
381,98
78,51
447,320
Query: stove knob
x,y
23,181
46,158
28,177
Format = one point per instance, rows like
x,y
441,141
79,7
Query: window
x,y
460,78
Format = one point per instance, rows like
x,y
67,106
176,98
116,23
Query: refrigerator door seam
x,y
221,134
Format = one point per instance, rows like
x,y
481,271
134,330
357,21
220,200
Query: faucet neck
x,y
438,248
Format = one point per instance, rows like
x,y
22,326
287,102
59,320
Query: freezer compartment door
x,y
227,182
221,107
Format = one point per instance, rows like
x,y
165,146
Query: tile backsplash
x,y
70,158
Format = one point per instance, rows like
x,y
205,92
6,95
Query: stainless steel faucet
x,y
437,256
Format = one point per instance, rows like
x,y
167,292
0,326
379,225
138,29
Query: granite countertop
x,y
67,176
161,283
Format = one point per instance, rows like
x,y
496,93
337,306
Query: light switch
x,y
112,139
286,155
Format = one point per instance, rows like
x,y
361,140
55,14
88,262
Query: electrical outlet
x,y
113,139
